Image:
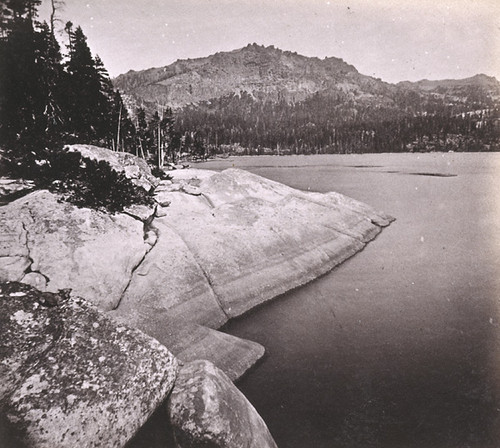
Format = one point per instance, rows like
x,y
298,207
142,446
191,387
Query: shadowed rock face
x,y
72,377
206,410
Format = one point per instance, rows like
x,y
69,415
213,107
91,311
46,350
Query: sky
x,y
394,40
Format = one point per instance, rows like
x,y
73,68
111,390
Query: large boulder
x,y
255,239
207,410
71,376
54,245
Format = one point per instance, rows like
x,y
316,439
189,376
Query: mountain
x,y
272,74
262,97
476,88
263,72
489,83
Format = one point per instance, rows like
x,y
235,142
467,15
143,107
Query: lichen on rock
x,y
73,377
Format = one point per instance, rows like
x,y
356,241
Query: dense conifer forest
x,y
329,124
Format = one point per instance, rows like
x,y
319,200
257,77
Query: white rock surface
x,y
91,252
225,243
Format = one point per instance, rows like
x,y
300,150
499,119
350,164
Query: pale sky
x,y
394,40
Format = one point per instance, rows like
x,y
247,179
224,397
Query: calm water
x,y
400,346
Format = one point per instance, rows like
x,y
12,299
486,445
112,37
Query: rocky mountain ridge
x,y
268,73
264,72
482,80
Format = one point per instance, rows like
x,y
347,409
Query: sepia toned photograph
x,y
249,223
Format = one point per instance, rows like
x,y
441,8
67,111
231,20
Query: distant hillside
x,y
262,97
476,89
488,83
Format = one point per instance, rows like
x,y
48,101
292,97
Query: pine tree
x,y
87,103
154,134
18,80
105,102
167,129
50,78
29,60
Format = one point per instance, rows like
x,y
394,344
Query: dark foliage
x,y
326,123
94,184
160,174
44,97
80,180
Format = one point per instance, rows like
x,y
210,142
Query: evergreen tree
x,y
87,103
18,80
43,100
50,78
30,73
105,101
154,143
167,134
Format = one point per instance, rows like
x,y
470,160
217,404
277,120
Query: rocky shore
x,y
213,246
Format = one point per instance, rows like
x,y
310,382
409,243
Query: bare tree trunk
x,y
55,6
160,158
118,130
52,16
140,147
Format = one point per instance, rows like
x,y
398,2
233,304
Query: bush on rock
x,y
80,180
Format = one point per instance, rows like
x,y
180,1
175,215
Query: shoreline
x,y
215,245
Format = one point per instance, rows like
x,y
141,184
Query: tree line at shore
x,y
51,96
329,123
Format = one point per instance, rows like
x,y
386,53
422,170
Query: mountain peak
x,y
256,69
268,73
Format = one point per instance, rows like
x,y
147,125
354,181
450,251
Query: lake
x,y
400,345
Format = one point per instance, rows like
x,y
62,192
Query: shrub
x,y
80,180
160,174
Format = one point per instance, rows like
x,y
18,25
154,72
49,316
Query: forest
x,y
52,96
56,93
334,123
